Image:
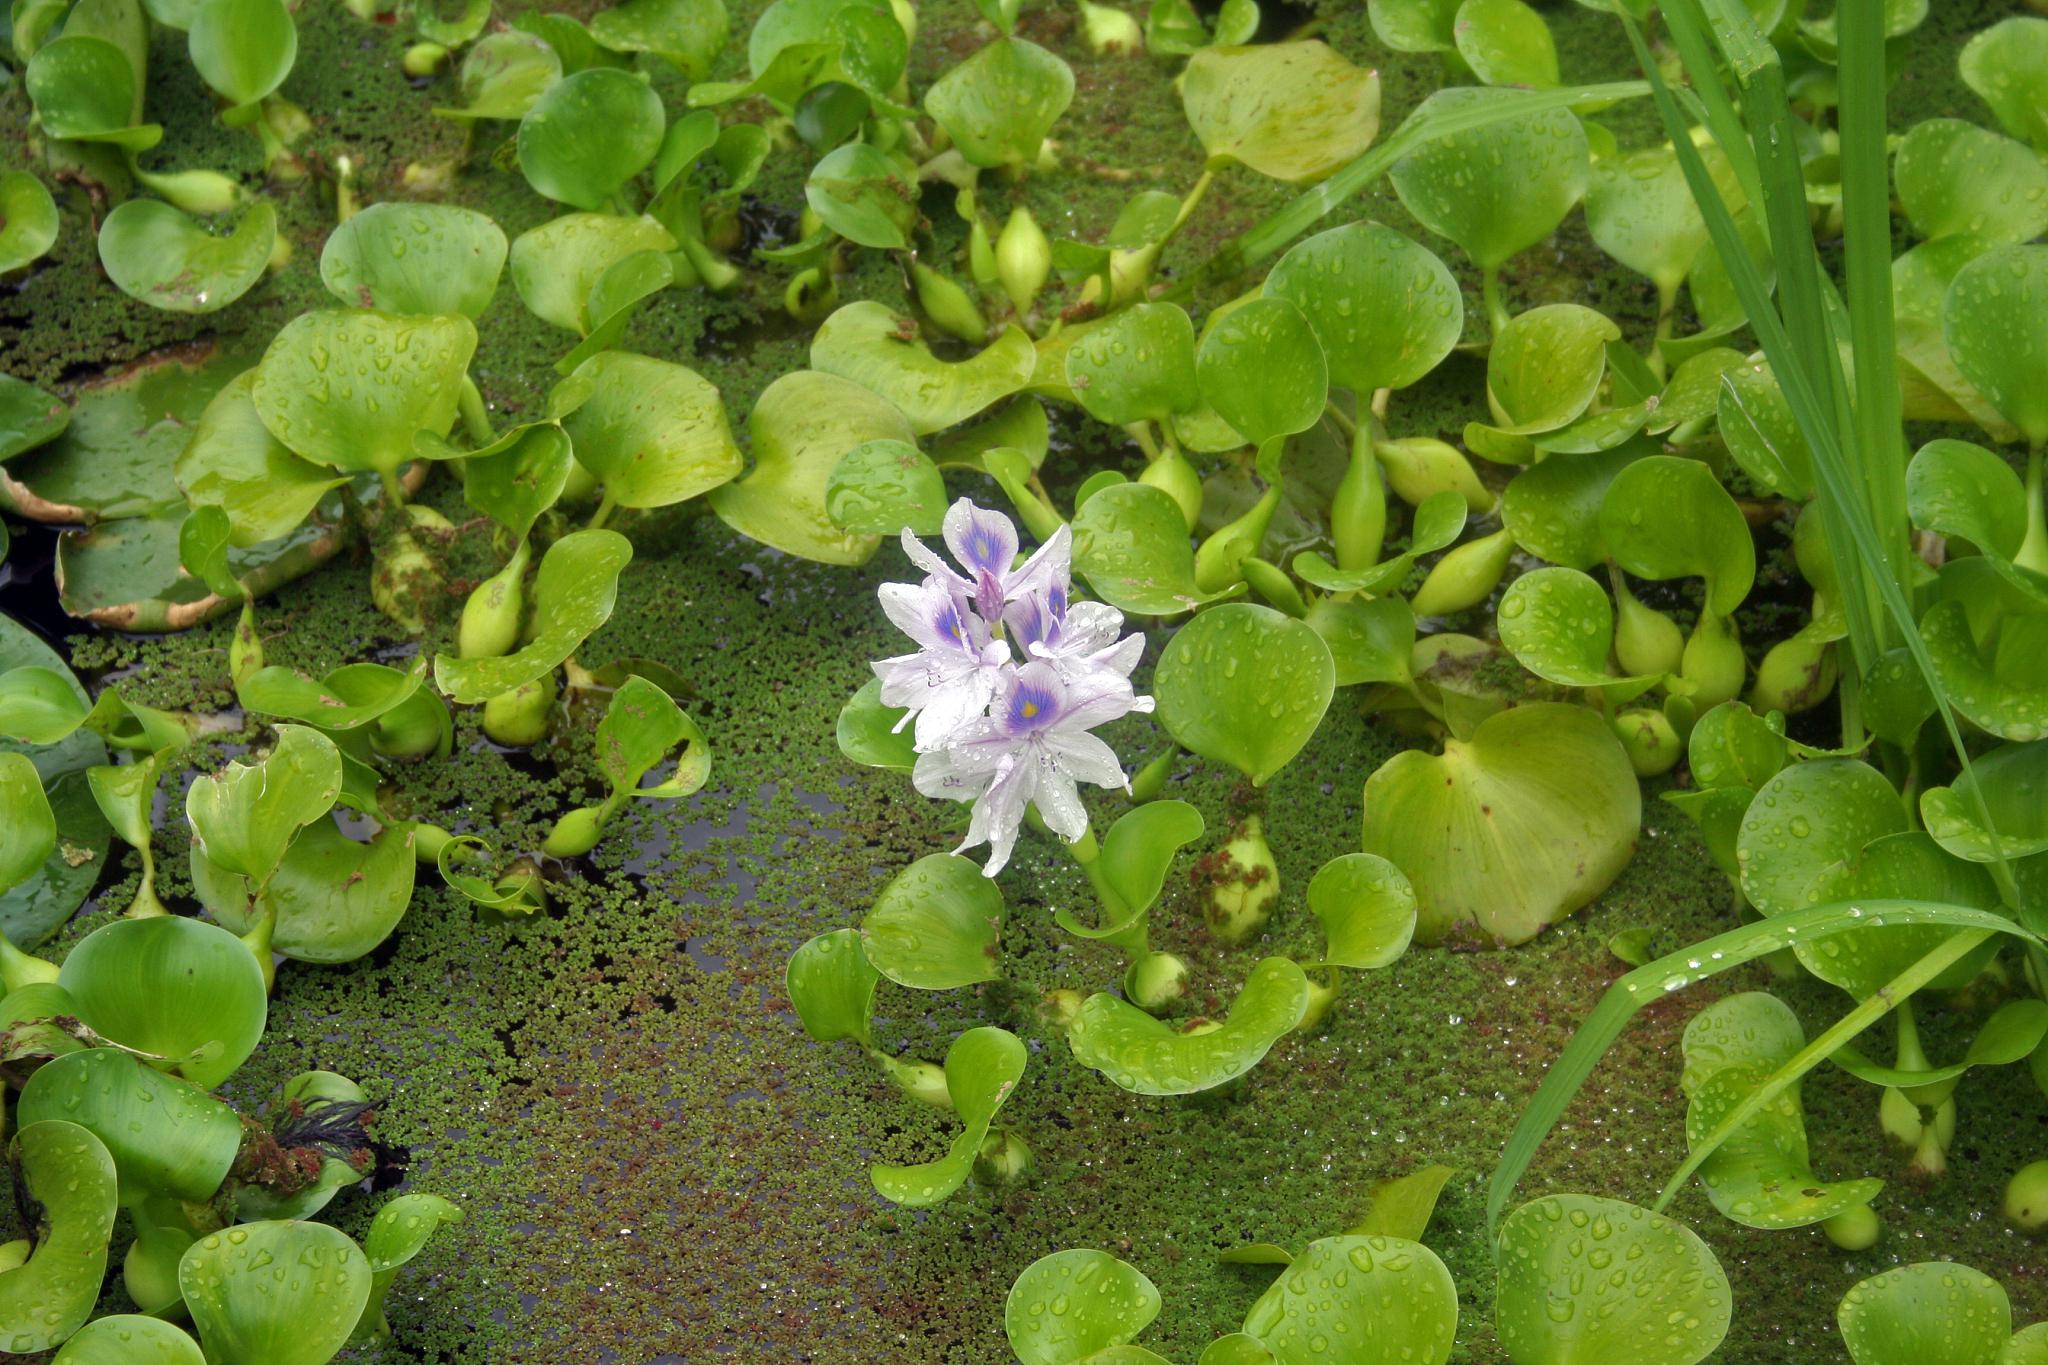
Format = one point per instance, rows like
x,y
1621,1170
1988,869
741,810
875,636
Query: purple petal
x,y
984,542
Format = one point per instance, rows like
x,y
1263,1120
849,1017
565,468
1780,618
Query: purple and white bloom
x,y
1033,748
1008,678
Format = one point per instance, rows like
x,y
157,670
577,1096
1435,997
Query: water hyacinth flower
x,y
1008,679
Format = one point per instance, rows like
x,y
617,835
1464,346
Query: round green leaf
x,y
130,1339
1585,1279
1933,387
155,253
1382,1298
864,196
1370,641
1506,43
352,696
2007,65
1758,427
557,266
1802,834
1131,545
1512,829
1070,1305
1995,319
870,344
1559,625
1965,491
1732,746
1546,365
179,989
1553,508
1386,310
504,75
1954,178
869,732
801,427
67,1176
2012,782
590,133
1000,103
33,907
334,899
1137,364
1244,685
233,462
832,985
1367,910
1262,369
1666,516
936,925
243,48
1641,212
982,1068
2009,702
165,1137
350,388
1498,189
573,593
688,33
31,833
514,485
652,432
882,487
1138,850
28,417
83,88
244,817
415,258
1150,1057
399,1232
1294,111
1928,1313
28,220
275,1293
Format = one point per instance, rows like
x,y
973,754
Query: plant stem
x,y
603,512
1136,940
394,491
476,418
1496,307
2033,551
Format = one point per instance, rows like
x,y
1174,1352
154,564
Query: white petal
x,y
1061,806
1085,757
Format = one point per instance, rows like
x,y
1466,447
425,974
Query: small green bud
x,y
1899,1118
1245,885
1420,466
1855,1229
1323,990
423,59
947,304
1219,560
1110,30
722,229
575,833
1023,259
1153,982
1004,1159
1271,582
981,254
204,193
1646,641
922,1081
408,732
519,718
1175,475
1358,509
811,295
1061,1007
2026,1197
1652,743
149,1270
1465,576
1713,662
492,614
280,254
1796,675
428,179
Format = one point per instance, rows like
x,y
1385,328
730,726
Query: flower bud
x,y
197,192
1153,982
1713,662
1646,641
18,969
423,59
1796,675
1419,466
947,304
922,1081
1023,259
1108,29
575,834
1245,885
491,617
2026,1197
1004,1159
519,718
1465,576
1175,475
1651,741
1857,1228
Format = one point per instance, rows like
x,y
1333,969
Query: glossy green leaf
x,y
333,899
1545,367
882,487
999,104
399,1232
654,433
1640,211
557,266
243,48
130,1339
1261,368
415,258
1294,111
1244,685
28,417
1732,746
641,727
1140,847
28,222
1512,829
801,427
1438,522
1401,1207
503,75
1384,1298
83,88
936,925
1386,310
1956,178
2012,783
1151,1057
868,731
982,1068
68,1178
1931,1311
32,908
350,388
1933,388
1497,189
346,700
1808,824
274,1293
877,348
1586,1279
1131,545
165,1137
688,33
1757,424
157,254
244,817
1505,42
1964,491
514,485
2005,64
573,593
1415,25
233,462
1559,624
863,195
1072,1305
1367,910
1370,641
1137,364
31,831
588,134
1995,319
1666,516
1553,508
39,705
2009,704
832,985
175,989
2012,1034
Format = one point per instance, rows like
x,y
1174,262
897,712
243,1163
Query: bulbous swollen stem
x,y
1135,940
2033,551
1358,510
